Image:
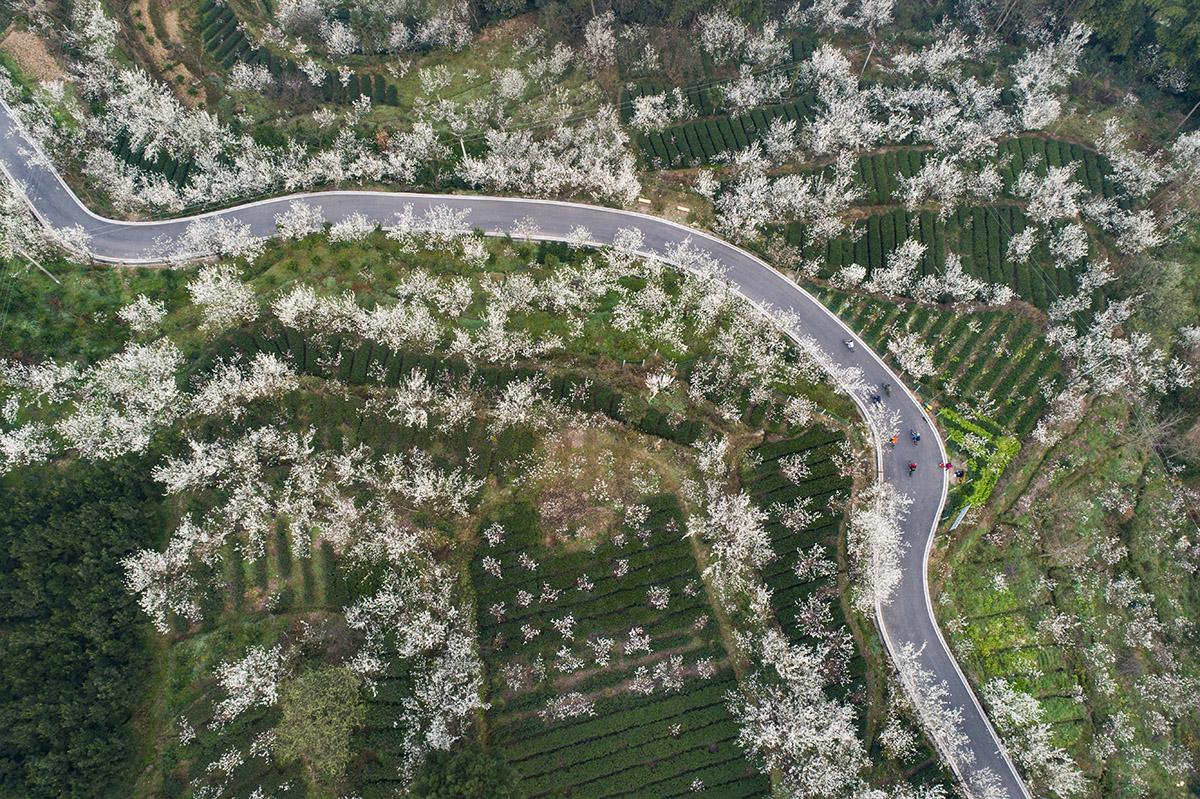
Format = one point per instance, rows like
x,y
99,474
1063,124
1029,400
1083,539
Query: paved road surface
x,y
908,618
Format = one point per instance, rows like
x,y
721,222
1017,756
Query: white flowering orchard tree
x,y
1041,73
218,236
143,315
250,682
876,544
599,49
787,722
223,298
121,401
592,159
353,227
299,220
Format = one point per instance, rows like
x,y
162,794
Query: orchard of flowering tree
x,y
404,507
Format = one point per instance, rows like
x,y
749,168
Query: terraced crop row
x,y
1093,171
174,171
994,361
700,141
225,41
629,744
979,235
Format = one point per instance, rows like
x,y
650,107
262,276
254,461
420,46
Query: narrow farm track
x,y
907,619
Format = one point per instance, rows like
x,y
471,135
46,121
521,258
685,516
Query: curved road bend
x,y
906,619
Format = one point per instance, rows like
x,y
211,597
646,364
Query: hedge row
x,y
163,164
878,174
700,141
1091,170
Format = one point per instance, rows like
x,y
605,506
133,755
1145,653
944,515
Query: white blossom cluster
x,y
875,543
734,529
121,401
1105,361
948,181
727,39
224,300
941,720
1041,72
373,27
1018,716
754,199
406,324
229,388
415,616
250,682
653,112
143,315
591,159
789,724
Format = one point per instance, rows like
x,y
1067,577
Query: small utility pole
x,y
1186,118
35,262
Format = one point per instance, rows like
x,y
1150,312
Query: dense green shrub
x,y
467,773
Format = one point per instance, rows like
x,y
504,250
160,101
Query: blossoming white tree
x,y
121,401
250,682
224,299
876,542
143,315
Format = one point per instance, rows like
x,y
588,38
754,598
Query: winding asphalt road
x,y
906,619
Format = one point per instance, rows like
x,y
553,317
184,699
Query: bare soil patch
x,y
162,45
32,55
587,474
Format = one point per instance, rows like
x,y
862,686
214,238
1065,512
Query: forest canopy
x,y
73,651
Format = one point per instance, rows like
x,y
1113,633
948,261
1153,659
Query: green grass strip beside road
x,y
987,468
